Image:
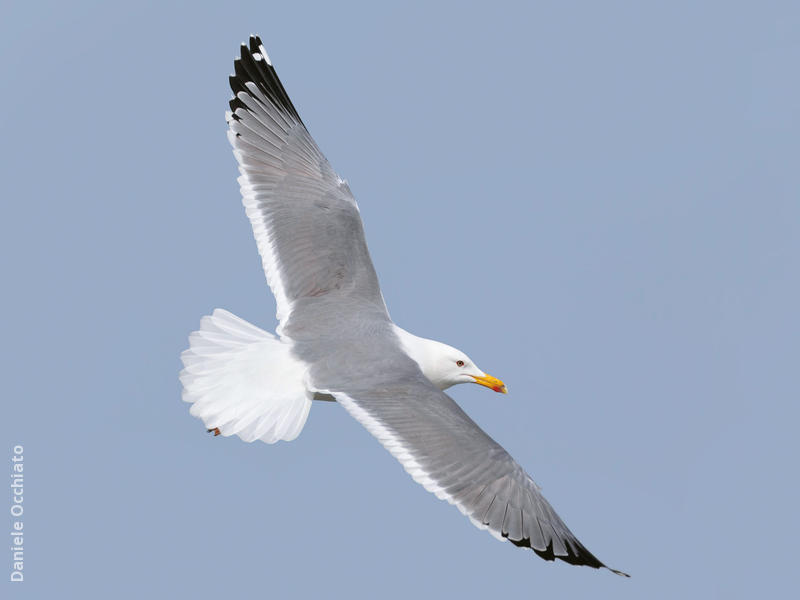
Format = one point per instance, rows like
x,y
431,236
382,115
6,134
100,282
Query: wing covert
x,y
305,220
447,453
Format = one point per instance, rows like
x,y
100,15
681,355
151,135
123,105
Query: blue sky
x,y
598,202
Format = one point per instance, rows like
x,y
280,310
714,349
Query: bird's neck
x,y
424,352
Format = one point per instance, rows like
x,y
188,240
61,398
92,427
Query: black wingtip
x,y
255,43
254,66
578,555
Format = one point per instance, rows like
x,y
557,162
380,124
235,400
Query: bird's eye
x,y
460,363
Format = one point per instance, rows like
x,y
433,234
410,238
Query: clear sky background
x,y
599,202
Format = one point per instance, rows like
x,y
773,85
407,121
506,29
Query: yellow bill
x,y
492,383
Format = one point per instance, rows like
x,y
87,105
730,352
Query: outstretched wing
x,y
311,241
305,220
447,453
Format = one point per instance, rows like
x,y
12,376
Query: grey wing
x,y
446,452
305,220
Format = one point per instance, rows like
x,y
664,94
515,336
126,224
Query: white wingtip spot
x,y
264,54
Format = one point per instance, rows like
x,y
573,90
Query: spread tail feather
x,y
244,381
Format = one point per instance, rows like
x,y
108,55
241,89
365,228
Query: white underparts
x,y
244,381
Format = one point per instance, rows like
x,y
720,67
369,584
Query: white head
x,y
444,365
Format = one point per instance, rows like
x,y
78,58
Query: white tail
x,y
244,381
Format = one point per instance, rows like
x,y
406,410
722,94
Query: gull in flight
x,y
335,340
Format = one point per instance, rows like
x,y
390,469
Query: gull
x,y
335,340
